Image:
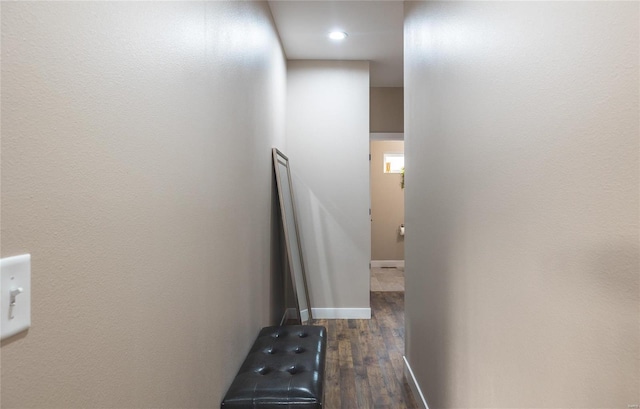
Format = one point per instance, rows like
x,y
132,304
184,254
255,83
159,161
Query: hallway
x,y
136,170
364,358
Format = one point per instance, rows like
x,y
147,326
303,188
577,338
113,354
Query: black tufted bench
x,y
285,368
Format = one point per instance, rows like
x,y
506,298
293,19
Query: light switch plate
x,y
15,274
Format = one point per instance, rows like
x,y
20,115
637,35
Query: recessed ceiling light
x,y
337,35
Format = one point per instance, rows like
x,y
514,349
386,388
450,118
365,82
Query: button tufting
x,y
279,334
261,382
263,371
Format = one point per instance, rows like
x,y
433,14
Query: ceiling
x,y
374,31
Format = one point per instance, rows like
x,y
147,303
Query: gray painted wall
x,y
328,146
522,259
136,170
386,106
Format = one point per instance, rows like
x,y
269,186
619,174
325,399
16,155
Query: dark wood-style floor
x,y
364,367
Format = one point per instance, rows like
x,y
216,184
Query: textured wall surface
x,y
522,258
328,145
387,204
387,109
136,170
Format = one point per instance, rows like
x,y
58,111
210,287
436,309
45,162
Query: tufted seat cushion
x,y
285,368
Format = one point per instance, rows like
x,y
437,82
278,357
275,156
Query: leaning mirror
x,y
291,235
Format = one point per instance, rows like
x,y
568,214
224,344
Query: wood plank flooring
x,y
364,367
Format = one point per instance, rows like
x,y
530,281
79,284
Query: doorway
x,y
387,215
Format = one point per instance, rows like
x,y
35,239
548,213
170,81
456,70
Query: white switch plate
x,y
15,272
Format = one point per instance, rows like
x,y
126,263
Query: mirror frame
x,y
279,157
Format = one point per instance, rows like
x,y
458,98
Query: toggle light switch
x,y
15,295
12,300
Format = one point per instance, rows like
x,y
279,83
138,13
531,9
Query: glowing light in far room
x,y
338,35
393,162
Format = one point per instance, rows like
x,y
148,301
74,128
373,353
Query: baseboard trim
x,y
304,315
413,384
387,263
341,313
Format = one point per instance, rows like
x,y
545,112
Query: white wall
x,y
328,144
522,198
136,170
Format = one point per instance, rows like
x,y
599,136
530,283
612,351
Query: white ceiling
x,y
374,28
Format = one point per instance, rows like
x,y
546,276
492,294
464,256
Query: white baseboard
x,y
341,313
387,263
413,384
